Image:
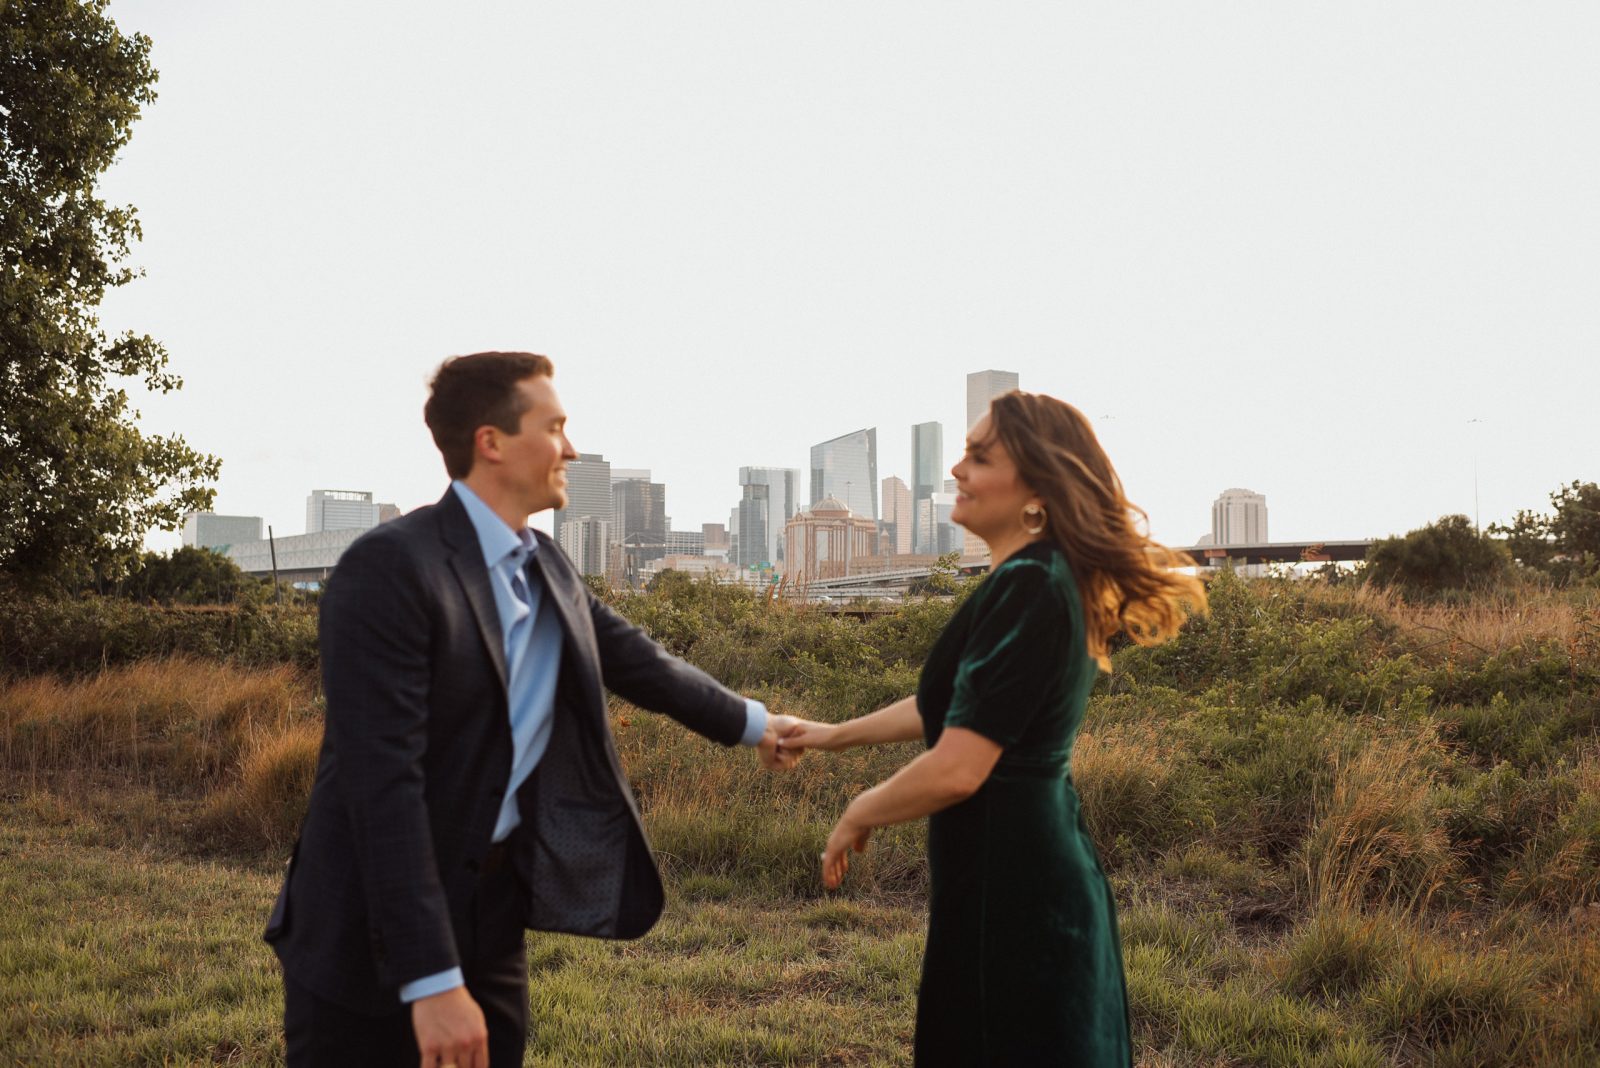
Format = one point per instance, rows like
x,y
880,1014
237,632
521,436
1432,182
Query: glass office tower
x,y
927,478
847,468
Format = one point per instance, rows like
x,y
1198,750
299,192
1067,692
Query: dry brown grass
x,y
1377,835
1489,624
1132,786
267,801
185,723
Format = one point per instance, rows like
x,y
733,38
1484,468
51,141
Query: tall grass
x,y
1344,830
242,741
1377,835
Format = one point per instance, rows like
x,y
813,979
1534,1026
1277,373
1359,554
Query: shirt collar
x,y
495,538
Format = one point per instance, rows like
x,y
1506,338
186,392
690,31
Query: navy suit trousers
x,y
321,1033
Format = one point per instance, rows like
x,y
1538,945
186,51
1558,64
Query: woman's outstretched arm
x,y
950,772
898,722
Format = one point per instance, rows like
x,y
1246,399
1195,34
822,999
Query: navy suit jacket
x,y
417,753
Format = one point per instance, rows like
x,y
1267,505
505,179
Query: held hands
x,y
788,737
802,734
450,1030
774,756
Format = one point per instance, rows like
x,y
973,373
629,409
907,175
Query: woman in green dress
x,y
1023,963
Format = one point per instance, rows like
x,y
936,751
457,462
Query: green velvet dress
x,y
1024,963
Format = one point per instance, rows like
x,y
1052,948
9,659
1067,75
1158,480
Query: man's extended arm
x,y
634,666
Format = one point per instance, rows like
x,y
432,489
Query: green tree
x,y
1447,554
1564,544
192,576
80,484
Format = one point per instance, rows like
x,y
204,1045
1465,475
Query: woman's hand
x,y
802,734
847,837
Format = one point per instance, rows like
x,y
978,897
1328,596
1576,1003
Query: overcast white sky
x,y
1289,247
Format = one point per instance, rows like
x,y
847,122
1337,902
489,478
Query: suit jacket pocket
x,y
580,855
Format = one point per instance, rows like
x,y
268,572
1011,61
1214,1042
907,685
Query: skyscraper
x,y
927,476
586,541
985,386
933,518
1239,517
847,468
769,498
588,492
897,514
638,506
340,510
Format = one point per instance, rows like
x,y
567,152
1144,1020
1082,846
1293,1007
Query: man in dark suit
x,y
468,786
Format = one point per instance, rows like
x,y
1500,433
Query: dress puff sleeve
x,y
1014,649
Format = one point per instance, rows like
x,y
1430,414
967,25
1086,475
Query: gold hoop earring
x,y
1037,514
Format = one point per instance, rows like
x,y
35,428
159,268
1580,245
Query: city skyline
x,y
1372,241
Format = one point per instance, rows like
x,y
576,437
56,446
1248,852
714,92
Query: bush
x,y
1447,554
192,576
76,637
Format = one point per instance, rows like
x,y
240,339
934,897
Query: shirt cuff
x,y
430,985
755,722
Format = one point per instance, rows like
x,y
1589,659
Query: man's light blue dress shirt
x,y
533,659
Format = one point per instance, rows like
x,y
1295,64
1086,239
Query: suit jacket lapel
x,y
557,593
473,574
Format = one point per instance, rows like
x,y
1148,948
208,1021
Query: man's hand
x,y
773,755
450,1030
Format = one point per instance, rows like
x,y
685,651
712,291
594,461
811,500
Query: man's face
x,y
533,461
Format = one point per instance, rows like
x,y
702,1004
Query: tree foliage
x,y
79,482
192,576
1564,544
1447,554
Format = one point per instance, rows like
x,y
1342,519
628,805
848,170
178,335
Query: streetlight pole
x,y
1477,529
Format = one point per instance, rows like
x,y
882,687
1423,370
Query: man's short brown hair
x,y
468,392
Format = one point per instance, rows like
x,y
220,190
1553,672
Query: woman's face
x,y
989,494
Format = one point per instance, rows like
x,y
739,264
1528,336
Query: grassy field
x,y
1344,831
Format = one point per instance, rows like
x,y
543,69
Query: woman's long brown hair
x,y
1127,582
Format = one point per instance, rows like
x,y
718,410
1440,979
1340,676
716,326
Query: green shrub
x,y
79,636
1447,554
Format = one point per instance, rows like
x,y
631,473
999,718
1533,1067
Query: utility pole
x,y
272,547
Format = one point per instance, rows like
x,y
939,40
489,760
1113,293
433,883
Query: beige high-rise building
x,y
821,542
985,386
897,517
586,541
1239,517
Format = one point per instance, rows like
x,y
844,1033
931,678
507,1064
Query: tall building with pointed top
x,y
985,386
846,468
